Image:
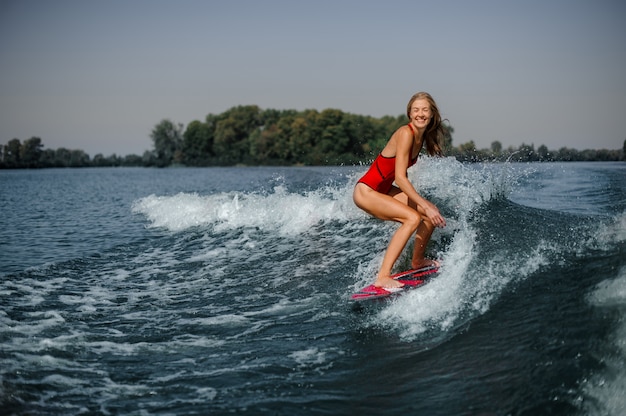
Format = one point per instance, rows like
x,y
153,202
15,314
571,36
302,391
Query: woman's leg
x,y
390,208
423,234
422,237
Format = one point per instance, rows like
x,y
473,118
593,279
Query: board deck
x,y
410,278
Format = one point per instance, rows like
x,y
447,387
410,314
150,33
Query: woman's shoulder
x,y
403,133
402,137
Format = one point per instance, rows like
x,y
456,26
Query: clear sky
x,y
99,75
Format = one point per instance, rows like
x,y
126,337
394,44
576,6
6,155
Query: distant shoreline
x,y
250,136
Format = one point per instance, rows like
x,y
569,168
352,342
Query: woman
x,y
376,194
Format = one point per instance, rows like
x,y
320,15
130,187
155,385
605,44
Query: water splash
x,y
607,388
282,211
479,262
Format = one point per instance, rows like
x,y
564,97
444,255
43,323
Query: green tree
x,y
526,153
301,141
358,129
279,140
467,152
149,158
78,159
62,157
12,154
30,152
496,148
331,140
132,160
567,155
269,144
48,158
197,146
543,153
232,132
265,145
99,160
167,139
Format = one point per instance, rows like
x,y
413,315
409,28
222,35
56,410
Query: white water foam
x,y
282,211
608,387
437,305
609,233
458,188
462,187
464,287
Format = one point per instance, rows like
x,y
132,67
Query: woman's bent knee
x,y
413,220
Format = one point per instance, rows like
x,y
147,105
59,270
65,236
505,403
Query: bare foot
x,y
387,283
425,263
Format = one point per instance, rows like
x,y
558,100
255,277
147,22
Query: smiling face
x,y
420,113
424,116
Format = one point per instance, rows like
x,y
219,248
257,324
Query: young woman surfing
x,y
376,193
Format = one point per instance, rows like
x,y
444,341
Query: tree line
x,y
31,154
248,135
251,136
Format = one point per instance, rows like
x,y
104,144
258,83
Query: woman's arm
x,y
404,145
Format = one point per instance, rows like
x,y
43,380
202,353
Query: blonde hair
x,y
434,131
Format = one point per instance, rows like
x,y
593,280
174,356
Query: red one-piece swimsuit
x,y
382,173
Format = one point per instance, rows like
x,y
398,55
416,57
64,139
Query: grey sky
x,y
98,75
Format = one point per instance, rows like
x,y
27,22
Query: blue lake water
x,y
226,290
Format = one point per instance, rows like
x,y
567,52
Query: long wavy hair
x,y
434,133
